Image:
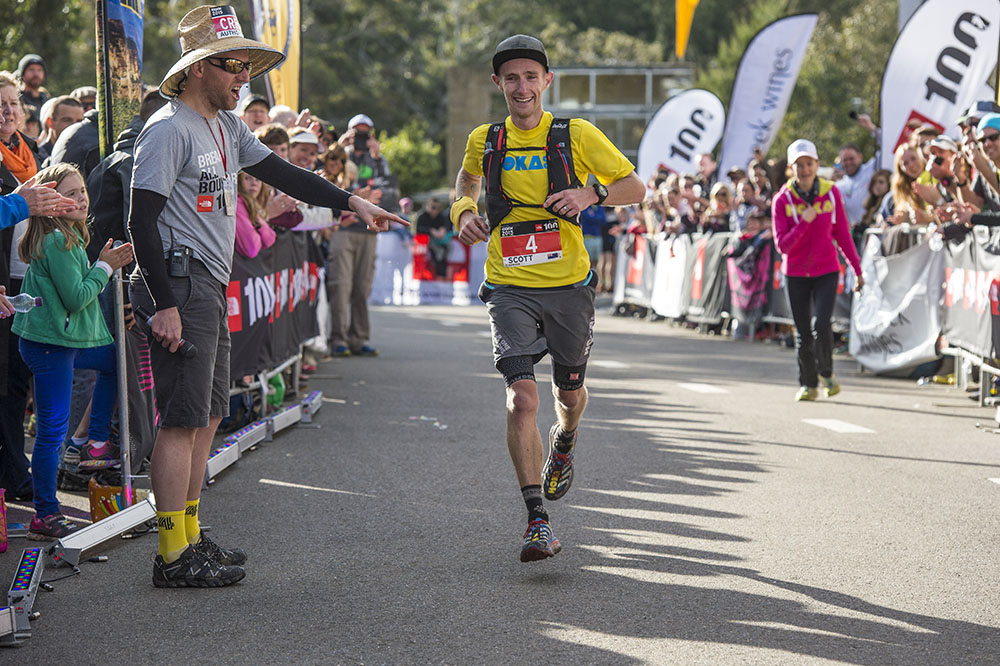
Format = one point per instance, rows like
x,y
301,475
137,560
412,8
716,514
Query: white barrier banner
x,y
401,278
763,87
938,68
668,277
896,320
686,125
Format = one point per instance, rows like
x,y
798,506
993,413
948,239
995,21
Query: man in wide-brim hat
x,y
182,222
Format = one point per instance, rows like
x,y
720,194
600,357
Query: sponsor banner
x,y
405,273
142,414
272,301
277,24
938,68
969,275
763,87
669,274
896,320
634,271
709,285
119,66
686,125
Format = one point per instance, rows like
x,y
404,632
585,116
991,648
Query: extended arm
x,y
314,189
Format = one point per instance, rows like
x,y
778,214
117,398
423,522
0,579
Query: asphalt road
x,y
709,521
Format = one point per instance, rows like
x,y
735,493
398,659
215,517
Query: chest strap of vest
x,y
558,160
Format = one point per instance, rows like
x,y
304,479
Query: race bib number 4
x,y
528,243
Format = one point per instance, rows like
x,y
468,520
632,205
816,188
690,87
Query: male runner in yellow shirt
x,y
539,290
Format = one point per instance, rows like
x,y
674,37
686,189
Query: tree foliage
x,y
414,157
390,58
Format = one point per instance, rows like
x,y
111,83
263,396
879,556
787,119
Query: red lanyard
x,y
222,150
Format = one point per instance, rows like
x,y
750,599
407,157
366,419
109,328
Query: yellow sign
x,y
277,24
685,16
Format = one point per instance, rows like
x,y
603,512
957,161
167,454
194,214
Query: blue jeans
x,y
52,366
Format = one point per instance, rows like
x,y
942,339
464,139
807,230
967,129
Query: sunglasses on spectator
x,y
989,137
231,65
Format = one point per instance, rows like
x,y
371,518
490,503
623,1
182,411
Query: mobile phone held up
x,y
360,144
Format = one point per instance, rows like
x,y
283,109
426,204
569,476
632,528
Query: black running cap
x,y
519,46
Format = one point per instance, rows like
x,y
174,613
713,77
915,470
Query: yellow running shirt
x,y
549,258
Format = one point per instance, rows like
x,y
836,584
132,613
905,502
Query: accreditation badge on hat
x,y
209,30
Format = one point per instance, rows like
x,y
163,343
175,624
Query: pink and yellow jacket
x,y
807,248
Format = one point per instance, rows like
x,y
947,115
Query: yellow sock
x,y
173,540
191,526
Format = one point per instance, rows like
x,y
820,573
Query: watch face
x,y
602,192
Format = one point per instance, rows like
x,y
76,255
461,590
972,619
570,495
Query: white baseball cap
x,y
801,147
944,142
360,119
304,136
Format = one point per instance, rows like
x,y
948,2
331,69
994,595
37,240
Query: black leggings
x,y
809,296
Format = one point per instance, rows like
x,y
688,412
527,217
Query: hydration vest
x,y
559,162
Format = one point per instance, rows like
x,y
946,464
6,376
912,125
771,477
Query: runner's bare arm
x,y
622,192
472,228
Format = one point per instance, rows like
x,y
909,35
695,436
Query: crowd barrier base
x,y
68,550
15,626
235,445
8,628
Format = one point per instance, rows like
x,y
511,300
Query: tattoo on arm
x,y
467,185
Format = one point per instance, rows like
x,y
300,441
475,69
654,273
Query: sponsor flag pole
x,y
684,17
119,66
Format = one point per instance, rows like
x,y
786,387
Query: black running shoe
x,y
557,476
223,556
194,569
539,542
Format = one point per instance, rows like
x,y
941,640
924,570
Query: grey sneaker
x,y
194,569
223,556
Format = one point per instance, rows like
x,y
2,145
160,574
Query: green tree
x,y
414,157
63,32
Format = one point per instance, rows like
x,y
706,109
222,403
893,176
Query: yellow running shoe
x,y
806,393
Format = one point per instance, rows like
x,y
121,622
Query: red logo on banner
x,y
636,263
276,313
698,272
995,296
913,122
313,280
204,203
776,275
233,306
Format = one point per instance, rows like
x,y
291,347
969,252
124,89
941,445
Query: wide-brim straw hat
x,y
209,30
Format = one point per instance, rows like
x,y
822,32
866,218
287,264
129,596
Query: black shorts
x,y
533,322
190,390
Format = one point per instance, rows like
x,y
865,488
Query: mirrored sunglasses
x,y
231,65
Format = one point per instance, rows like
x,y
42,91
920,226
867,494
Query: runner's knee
x,y
522,398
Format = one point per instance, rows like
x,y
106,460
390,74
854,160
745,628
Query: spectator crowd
x,y
936,184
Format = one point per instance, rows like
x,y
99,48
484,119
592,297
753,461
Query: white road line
x,y
611,365
702,388
837,425
285,484
451,324
994,480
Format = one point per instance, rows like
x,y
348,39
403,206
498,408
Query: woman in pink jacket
x,y
253,233
810,224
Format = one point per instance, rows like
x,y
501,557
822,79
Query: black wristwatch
x,y
602,193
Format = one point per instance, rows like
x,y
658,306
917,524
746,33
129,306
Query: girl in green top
x,y
67,331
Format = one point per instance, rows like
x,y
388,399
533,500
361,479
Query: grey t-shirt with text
x,y
179,154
